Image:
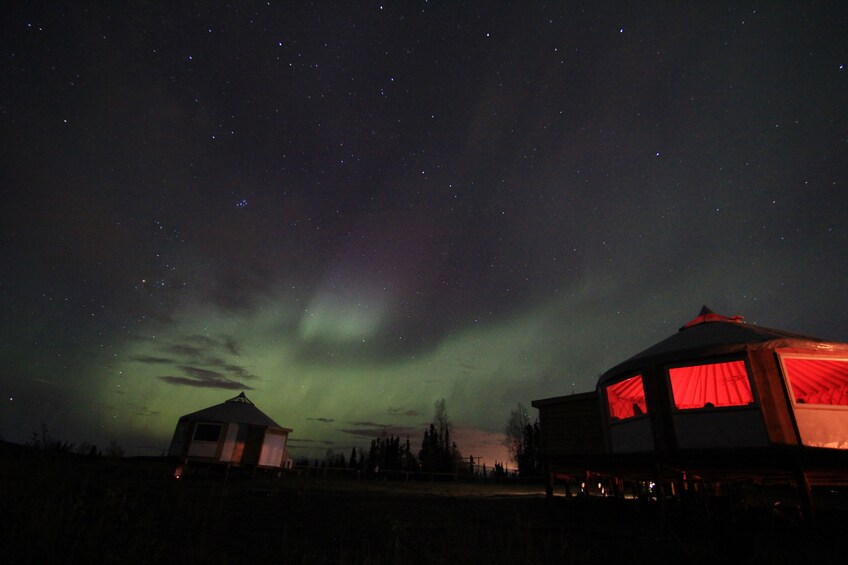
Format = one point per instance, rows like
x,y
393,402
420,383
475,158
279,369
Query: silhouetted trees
x,y
499,472
43,439
523,440
115,451
439,453
530,459
334,460
388,453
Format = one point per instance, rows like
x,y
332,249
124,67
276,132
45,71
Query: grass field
x,y
62,509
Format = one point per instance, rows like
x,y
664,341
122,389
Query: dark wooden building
x,y
719,397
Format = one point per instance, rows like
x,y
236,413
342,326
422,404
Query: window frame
x,y
755,400
788,383
609,417
207,425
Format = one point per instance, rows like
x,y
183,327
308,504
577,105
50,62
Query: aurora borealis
x,y
352,210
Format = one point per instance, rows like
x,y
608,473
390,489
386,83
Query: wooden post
x,y
805,494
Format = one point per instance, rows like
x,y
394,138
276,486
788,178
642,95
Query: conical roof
x,y
711,334
239,410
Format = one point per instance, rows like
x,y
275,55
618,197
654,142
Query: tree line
x,y
523,439
439,453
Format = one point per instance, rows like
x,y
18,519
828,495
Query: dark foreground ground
x,y
60,509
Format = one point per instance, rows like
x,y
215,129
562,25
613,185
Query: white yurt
x,y
234,432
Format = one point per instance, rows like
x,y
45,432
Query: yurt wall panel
x,y
229,442
273,449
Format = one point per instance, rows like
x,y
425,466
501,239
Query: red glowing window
x,y
626,399
818,381
710,386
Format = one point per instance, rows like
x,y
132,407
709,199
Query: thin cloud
x,y
202,340
149,359
204,378
368,423
371,432
299,441
203,374
185,350
216,361
402,412
187,381
238,370
232,345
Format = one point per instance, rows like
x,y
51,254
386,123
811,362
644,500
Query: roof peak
x,y
707,315
241,398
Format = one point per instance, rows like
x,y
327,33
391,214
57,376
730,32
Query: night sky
x,y
350,210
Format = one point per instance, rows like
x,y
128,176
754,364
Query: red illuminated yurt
x,y
234,432
717,402
721,383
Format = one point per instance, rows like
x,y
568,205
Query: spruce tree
x,y
438,453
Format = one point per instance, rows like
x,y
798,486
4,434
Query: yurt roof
x,y
239,409
710,334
